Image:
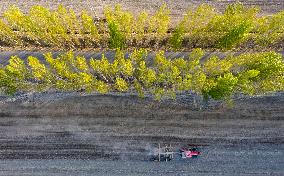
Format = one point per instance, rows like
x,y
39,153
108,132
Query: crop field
x,y
236,27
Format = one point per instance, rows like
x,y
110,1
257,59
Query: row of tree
x,y
203,27
256,73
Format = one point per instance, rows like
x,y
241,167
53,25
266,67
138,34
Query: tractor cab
x,y
189,152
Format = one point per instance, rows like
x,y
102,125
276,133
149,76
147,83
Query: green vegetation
x,y
203,27
216,78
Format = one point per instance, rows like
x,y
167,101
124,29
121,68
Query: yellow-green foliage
x,y
68,19
233,16
139,89
86,81
122,65
270,28
202,27
7,35
123,19
16,18
42,24
121,85
215,78
158,93
101,87
120,24
15,76
17,68
88,25
141,24
8,84
233,26
145,75
216,66
261,72
167,73
138,55
193,23
123,24
197,20
38,69
159,23
81,64
101,66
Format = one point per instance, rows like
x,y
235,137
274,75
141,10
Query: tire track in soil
x,y
96,131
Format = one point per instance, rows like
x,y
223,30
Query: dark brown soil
x,y
111,134
127,120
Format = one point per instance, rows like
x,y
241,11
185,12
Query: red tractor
x,y
186,152
166,153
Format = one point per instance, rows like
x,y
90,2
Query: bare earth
x,y
73,134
